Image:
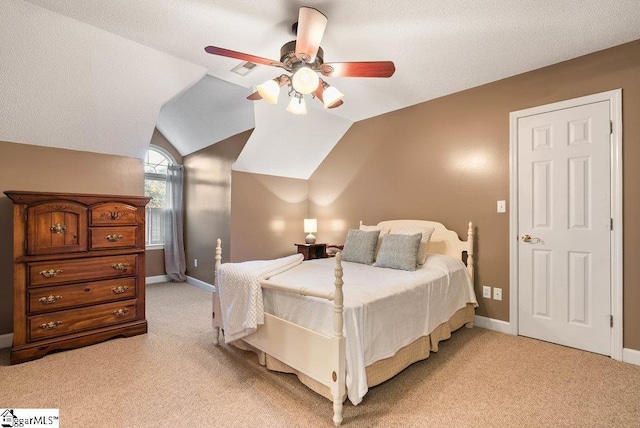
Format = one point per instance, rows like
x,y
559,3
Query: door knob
x,y
528,238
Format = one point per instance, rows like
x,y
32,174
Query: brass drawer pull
x,y
49,300
50,325
121,266
114,237
119,289
58,228
121,312
50,273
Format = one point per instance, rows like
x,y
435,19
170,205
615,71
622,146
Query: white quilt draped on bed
x,y
384,309
241,294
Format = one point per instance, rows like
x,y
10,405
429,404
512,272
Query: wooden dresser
x,y
79,273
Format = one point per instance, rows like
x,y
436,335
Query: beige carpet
x,y
175,376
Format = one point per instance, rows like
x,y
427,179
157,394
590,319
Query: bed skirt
x,y
382,370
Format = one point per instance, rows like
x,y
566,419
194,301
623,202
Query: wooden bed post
x,y
470,243
338,387
216,314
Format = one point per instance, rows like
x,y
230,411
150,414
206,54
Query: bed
x,y
349,322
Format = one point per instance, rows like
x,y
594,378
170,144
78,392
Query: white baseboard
x,y
631,356
156,279
6,340
492,324
200,284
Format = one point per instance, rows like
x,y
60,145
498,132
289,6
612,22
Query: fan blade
x,y
255,96
358,69
311,26
318,92
242,56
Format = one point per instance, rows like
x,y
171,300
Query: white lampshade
x,y
331,95
297,106
310,227
305,80
269,91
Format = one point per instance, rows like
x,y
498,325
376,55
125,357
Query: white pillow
x,y
426,232
383,231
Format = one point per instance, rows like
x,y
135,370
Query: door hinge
x,y
610,320
611,224
610,127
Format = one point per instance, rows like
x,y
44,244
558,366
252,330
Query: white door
x,y
564,227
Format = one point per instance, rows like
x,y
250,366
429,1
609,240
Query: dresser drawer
x,y
61,271
112,237
112,213
75,320
49,299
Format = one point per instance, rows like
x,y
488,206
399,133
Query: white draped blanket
x,y
241,294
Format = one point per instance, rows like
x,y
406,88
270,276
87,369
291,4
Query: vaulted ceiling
x,y
99,75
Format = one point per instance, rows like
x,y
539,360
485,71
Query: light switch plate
x,y
502,206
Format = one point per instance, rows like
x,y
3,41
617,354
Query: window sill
x,y
154,247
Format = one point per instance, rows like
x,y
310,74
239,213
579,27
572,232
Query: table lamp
x,y
310,227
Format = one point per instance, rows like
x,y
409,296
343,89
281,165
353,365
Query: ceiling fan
x,y
304,59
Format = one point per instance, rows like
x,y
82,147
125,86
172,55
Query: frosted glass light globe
x,y
305,80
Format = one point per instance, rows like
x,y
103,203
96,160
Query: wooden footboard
x,y
320,357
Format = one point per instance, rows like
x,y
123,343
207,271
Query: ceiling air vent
x,y
244,68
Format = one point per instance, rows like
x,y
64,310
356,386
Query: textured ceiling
x,y
118,61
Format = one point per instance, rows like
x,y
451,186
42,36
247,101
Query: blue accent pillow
x,y
360,246
399,251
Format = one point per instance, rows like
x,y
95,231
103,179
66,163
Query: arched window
x,y
155,176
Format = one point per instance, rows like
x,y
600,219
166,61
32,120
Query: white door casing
x,y
565,189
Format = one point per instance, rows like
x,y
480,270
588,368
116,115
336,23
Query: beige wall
x,y
267,215
157,139
448,160
208,203
36,168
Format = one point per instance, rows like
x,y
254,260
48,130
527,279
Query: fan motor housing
x,y
288,56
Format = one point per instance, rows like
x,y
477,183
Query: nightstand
x,y
312,251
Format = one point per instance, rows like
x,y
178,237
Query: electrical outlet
x,y
497,293
486,292
195,262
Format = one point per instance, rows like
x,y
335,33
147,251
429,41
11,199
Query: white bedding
x,y
384,309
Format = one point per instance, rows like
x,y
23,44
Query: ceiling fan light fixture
x,y
269,91
304,59
331,95
305,80
297,105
